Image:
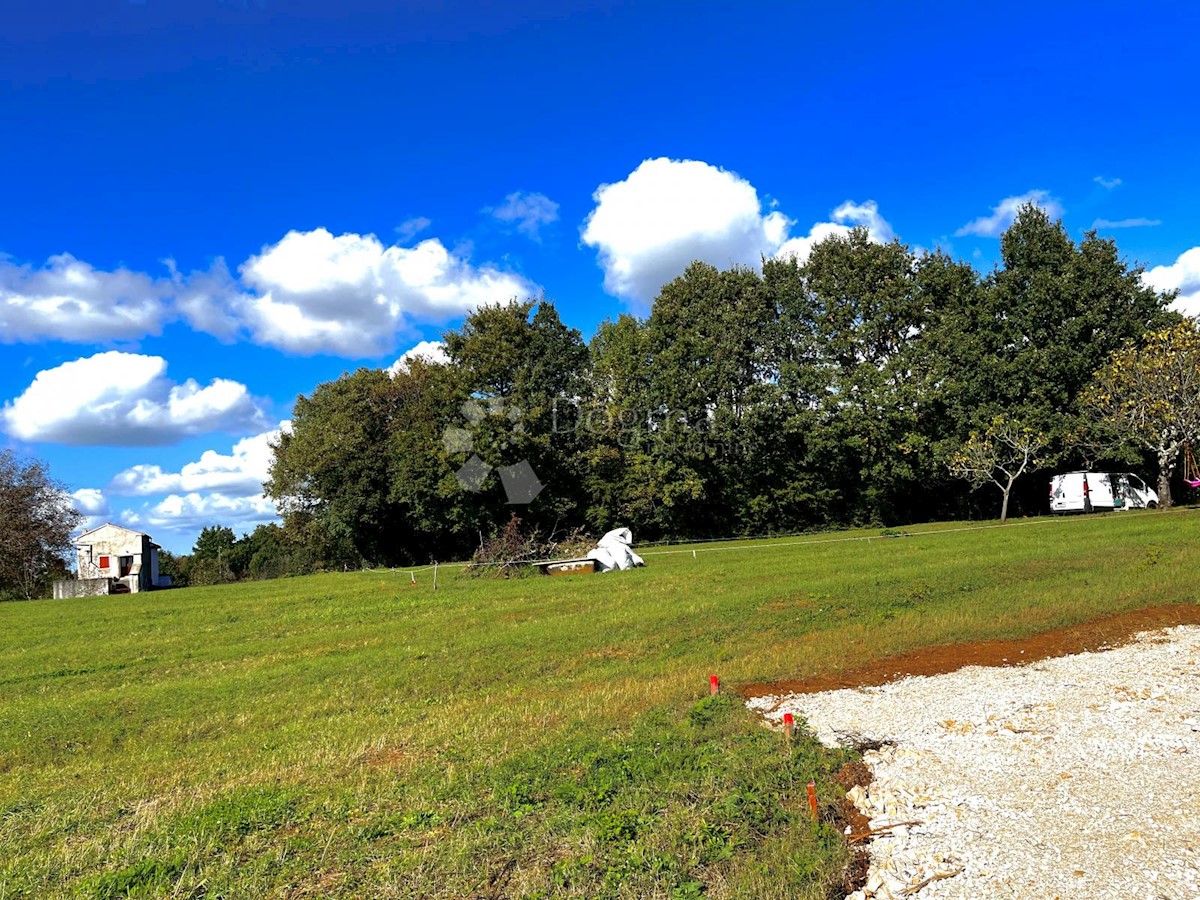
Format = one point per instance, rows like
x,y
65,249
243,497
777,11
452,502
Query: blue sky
x,y
209,207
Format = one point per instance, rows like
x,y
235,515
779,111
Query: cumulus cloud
x,y
69,300
1107,183
529,212
90,502
239,473
311,292
1006,211
209,300
93,505
190,512
845,218
125,399
348,294
430,351
1184,276
1125,223
666,213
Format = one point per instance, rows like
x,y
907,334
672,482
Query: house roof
x,y
80,539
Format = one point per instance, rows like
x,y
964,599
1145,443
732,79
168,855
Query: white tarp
x,y
615,551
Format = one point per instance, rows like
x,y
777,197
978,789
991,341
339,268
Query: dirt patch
x,y
385,758
1110,631
852,774
851,822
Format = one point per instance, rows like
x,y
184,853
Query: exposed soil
x,y
852,823
384,757
1109,631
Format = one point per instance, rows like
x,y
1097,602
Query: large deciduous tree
x,y
1057,311
712,344
857,313
1148,396
331,475
36,521
523,369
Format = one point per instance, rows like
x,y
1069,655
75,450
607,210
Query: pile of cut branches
x,y
512,550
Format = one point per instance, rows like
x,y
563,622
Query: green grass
x,y
350,735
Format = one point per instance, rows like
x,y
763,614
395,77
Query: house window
x,y
103,562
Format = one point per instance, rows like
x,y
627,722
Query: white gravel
x,y
1075,777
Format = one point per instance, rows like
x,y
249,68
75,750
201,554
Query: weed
x,y
146,878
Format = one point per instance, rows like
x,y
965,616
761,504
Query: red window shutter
x,y
104,562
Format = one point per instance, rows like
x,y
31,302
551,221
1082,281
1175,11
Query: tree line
x,y
835,391
219,557
870,384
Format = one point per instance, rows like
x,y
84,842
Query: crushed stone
x,y
1076,777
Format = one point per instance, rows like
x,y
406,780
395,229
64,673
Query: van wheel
x,y
1151,505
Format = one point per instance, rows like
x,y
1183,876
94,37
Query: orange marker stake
x,y
714,685
812,800
788,724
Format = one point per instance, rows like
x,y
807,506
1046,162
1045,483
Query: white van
x,y
1080,492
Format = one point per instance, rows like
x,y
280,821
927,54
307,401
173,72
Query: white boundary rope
x,y
766,543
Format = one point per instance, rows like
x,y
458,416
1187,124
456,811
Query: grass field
x,y
351,735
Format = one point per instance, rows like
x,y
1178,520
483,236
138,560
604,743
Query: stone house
x,y
111,559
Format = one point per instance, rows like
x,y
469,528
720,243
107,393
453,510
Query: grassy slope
x,y
352,734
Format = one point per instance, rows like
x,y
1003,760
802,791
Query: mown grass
x,y
351,735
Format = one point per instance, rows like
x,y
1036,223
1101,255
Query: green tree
x,y
711,339
1147,396
439,517
1023,343
624,480
270,552
854,315
175,566
214,541
522,370
36,521
1000,455
330,476
212,556
1057,311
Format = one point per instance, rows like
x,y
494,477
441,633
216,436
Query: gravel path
x,y
1076,777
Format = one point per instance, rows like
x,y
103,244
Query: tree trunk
x,y
1166,464
1004,504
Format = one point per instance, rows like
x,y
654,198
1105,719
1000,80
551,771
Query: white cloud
x,y
190,512
667,213
845,218
69,300
410,228
430,351
125,399
1184,276
93,505
1107,183
529,211
1006,211
314,292
90,502
240,473
1126,223
209,300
